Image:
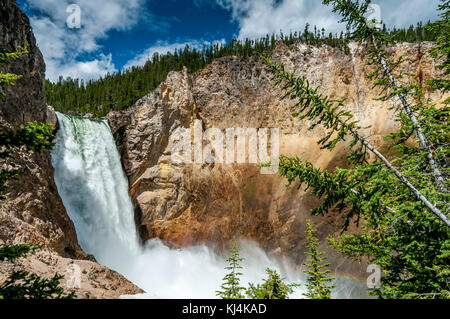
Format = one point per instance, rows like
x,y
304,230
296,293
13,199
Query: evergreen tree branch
x,y
402,178
353,14
317,283
438,177
324,111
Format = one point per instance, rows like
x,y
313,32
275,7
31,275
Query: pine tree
x,y
398,202
317,282
231,281
352,13
272,287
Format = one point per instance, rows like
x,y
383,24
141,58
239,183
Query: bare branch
x,y
401,177
437,174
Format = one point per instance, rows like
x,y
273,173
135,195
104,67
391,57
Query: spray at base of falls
x,y
94,190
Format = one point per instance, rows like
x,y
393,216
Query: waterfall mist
x,y
94,190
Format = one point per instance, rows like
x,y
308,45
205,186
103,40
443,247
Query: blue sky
x,y
115,34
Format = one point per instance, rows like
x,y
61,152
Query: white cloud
x,y
65,50
86,70
162,47
403,13
62,46
258,18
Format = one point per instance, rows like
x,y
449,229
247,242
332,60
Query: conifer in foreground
x,y
317,282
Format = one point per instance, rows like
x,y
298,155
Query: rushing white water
x,y
94,190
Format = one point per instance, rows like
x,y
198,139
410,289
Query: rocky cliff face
x,y
196,203
95,281
25,102
33,211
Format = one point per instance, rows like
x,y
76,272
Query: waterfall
x,y
94,190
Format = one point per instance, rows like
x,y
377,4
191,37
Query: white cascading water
x,y
94,190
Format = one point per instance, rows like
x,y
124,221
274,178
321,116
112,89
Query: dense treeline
x,y
120,90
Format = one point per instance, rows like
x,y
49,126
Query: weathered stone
x,y
25,101
194,203
85,278
52,119
33,211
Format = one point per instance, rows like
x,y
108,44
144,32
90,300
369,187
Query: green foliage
x,y
442,49
8,57
13,252
333,188
230,287
352,13
272,287
23,285
317,282
121,90
34,136
396,230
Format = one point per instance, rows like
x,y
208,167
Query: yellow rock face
x,y
197,203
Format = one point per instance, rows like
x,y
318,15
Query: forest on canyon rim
x,y
392,196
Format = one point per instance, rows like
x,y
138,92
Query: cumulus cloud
x,y
258,18
87,70
63,46
403,13
75,52
162,47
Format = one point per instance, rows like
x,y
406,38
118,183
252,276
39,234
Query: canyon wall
x,y
186,204
189,203
33,211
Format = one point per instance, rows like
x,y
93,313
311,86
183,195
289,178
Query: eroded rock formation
x,y
86,279
33,211
198,203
